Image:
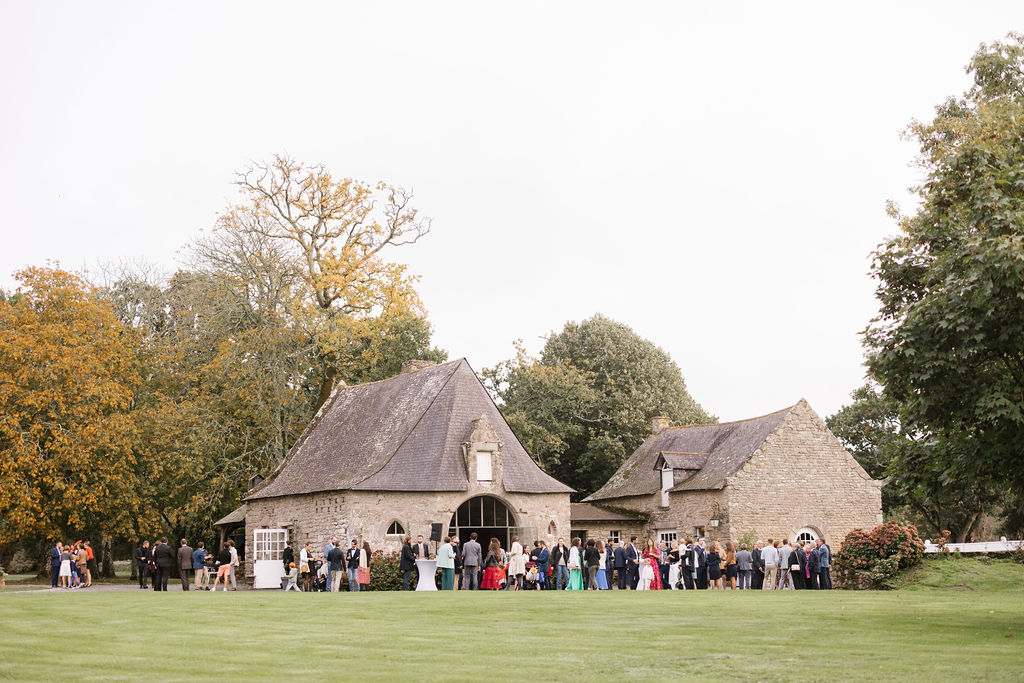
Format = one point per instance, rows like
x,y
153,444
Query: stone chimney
x,y
416,365
658,424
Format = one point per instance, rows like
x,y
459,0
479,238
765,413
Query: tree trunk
x,y
106,559
330,376
965,532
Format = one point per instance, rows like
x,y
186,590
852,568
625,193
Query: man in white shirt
x,y
770,557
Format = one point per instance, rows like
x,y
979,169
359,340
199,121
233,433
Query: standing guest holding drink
x,y
446,563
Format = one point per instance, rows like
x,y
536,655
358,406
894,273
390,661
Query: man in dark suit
x,y
700,565
407,563
55,552
336,563
619,564
143,556
632,564
757,564
421,549
688,568
162,558
184,563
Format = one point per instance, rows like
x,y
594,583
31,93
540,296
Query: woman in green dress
x,y
446,563
575,572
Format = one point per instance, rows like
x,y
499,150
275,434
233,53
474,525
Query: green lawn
x,y
934,632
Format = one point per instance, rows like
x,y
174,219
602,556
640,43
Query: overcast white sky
x,y
714,176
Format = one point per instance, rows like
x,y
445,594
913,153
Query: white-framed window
x,y
806,535
614,535
396,529
698,532
483,466
667,536
666,484
269,543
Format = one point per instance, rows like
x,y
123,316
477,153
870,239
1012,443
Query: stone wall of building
x,y
686,512
802,477
367,515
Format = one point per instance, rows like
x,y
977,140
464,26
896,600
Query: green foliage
x,y
946,344
384,572
917,489
874,558
587,402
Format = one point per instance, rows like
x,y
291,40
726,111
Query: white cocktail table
x,y
426,570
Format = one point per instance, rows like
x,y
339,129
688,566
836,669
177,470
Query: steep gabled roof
x,y
404,433
681,461
728,446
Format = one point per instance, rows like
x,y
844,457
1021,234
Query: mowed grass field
x,y
938,632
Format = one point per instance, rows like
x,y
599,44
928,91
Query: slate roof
x,y
728,447
404,433
587,512
236,516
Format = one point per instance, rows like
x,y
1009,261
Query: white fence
x,y
1000,546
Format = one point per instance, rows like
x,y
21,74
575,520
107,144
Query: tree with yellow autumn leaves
x,y
146,405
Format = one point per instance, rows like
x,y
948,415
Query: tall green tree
x,y
947,342
920,487
587,402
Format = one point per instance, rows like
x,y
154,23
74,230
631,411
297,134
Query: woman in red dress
x,y
492,567
651,551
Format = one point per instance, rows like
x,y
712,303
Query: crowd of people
x,y
72,565
592,565
598,565
194,565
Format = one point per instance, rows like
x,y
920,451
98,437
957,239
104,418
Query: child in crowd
x,y
647,575
293,577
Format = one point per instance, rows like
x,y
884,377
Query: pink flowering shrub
x,y
873,558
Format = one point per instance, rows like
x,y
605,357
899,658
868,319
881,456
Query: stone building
x,y
392,457
783,475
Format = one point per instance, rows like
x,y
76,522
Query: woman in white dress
x,y
673,567
65,568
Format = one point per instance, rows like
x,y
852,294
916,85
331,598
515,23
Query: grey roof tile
x,y
404,433
728,446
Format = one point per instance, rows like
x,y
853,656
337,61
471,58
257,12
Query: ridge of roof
x,y
732,422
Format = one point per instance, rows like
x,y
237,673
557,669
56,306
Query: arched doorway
x,y
485,515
